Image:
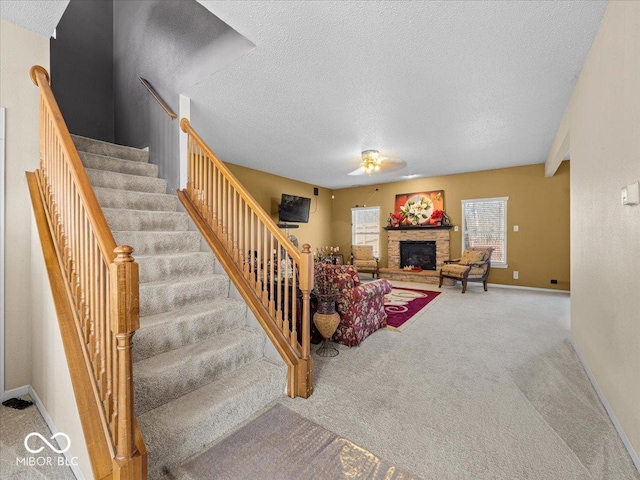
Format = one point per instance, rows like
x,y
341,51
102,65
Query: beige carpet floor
x,y
484,385
15,425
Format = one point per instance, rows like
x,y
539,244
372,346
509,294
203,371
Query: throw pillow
x,y
471,256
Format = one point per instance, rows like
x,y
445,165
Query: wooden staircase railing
x,y
263,264
96,294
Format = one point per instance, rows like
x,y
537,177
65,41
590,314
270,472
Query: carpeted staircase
x,y
199,371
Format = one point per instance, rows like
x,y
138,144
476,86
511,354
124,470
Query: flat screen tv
x,y
294,209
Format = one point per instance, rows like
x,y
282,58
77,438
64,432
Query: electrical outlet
x,y
516,274
516,228
455,229
554,282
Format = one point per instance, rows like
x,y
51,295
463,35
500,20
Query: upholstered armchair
x,y
360,305
362,258
473,266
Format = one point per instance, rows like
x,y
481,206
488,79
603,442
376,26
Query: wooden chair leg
x,y
484,282
464,286
440,284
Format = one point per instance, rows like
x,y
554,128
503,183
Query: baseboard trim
x,y
607,407
49,421
15,392
535,289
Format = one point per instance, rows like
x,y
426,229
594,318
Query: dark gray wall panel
x,y
82,68
173,45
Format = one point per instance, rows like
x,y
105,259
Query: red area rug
x,y
404,304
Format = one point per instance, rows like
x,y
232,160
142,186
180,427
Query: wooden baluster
x,y
234,224
211,193
245,242
203,184
294,302
225,217
229,214
194,180
124,322
236,233
252,255
214,198
274,293
278,313
102,309
285,324
189,161
240,238
265,267
218,203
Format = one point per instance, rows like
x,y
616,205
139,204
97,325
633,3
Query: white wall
x,y
50,376
19,50
604,127
33,350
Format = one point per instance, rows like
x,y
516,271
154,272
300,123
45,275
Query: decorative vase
x,y
326,320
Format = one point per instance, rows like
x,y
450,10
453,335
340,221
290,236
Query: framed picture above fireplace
x,y
416,208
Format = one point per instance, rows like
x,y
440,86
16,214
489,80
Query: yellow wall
x,y
538,205
267,190
604,129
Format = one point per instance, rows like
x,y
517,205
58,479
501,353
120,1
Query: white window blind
x,y
484,223
365,228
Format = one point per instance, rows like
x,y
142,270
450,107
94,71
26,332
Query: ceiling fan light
x,y
370,161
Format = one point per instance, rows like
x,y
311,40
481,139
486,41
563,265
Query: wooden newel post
x,y
125,320
306,285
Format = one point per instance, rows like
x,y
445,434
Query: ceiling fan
x,y
372,162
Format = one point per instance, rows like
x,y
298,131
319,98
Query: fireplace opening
x,y
418,254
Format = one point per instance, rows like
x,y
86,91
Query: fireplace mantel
x,y
419,227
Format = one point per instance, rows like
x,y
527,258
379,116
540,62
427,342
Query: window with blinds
x,y
365,227
484,223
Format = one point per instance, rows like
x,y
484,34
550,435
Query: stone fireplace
x,y
418,253
421,236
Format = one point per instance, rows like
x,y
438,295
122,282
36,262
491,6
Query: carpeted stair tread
x,y
167,331
112,164
123,181
152,243
164,296
120,219
185,426
199,370
154,268
110,149
165,377
114,198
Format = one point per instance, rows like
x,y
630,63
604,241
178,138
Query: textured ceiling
x,y
445,86
39,16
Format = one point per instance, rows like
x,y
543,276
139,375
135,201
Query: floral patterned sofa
x,y
360,305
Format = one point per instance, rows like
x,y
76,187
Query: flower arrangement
x,y
436,217
395,219
415,212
